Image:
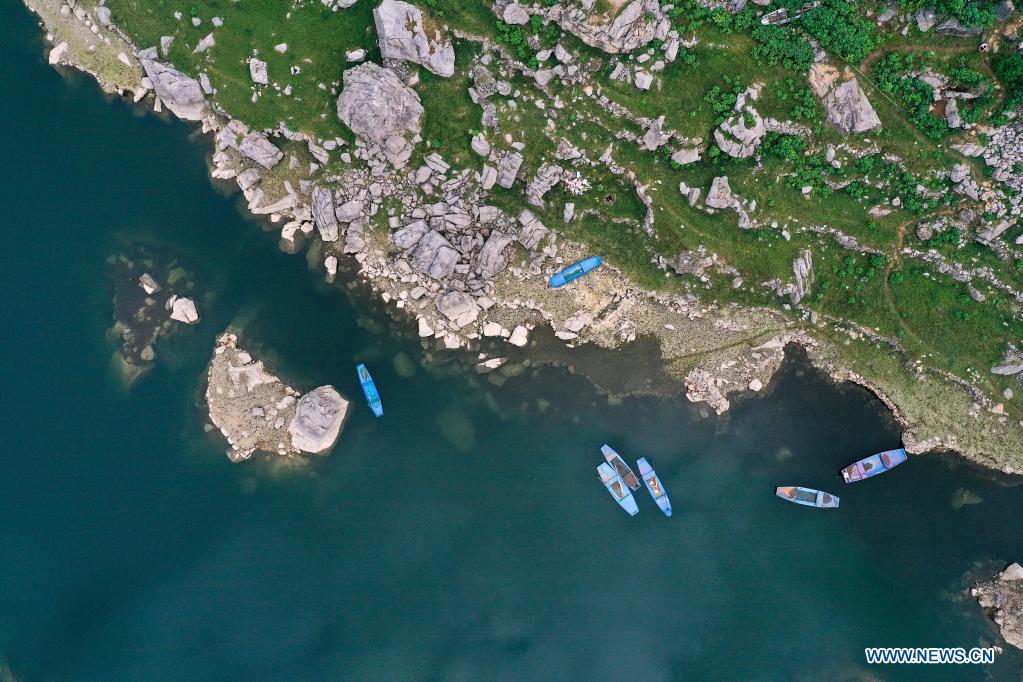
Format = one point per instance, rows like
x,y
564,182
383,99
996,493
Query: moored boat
x,y
369,388
613,482
575,271
653,484
874,465
622,469
807,496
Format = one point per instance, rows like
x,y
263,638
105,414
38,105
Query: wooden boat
x,y
874,465
807,496
613,482
621,468
575,271
369,388
653,484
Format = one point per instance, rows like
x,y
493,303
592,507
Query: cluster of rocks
x,y
1002,597
382,111
741,134
255,410
402,32
624,29
146,306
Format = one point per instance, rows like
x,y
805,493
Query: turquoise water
x,y
464,536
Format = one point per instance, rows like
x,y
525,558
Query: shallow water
x,y
462,536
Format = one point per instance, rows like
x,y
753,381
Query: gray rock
x,y
261,150
205,44
1007,370
802,267
480,145
257,71
655,136
533,231
741,134
488,177
926,18
402,36
545,179
508,168
318,419
543,77
515,15
455,304
103,16
323,214
379,108
687,155
849,110
350,210
952,27
434,256
720,194
408,236
643,80
181,94
955,120
492,258
636,25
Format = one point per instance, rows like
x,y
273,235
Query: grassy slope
x,y
920,308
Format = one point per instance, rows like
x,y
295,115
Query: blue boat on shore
x,y
575,271
653,484
613,482
874,465
807,497
370,389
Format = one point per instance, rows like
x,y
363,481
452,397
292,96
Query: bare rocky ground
x,y
432,244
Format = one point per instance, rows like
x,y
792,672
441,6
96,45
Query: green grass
x,y
317,41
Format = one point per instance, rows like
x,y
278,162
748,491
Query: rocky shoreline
x,y
431,244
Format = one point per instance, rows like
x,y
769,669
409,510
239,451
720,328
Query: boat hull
x,y
623,470
575,271
369,389
613,482
874,465
807,497
653,485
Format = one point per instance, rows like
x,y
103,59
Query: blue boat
x,y
370,389
620,467
874,465
575,271
653,484
807,497
613,482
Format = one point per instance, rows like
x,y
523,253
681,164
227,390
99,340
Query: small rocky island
x,y
255,410
1002,597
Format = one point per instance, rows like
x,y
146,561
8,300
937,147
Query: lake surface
x,y
464,536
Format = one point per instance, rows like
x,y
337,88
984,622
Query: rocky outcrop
x,y
508,165
255,410
546,178
848,109
492,258
636,25
380,109
1002,597
802,267
720,194
402,33
318,418
741,134
180,93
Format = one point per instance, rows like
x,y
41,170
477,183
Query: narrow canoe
x,y
623,470
575,271
653,484
874,465
807,496
370,389
613,482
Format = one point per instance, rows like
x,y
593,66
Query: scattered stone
x,y
183,310
257,71
515,15
519,336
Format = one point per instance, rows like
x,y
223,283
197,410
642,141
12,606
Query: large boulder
x,y
847,106
318,419
402,31
545,179
492,257
261,150
379,108
720,194
637,24
182,94
323,214
434,256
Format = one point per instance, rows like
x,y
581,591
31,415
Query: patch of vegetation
x,y
840,30
782,45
